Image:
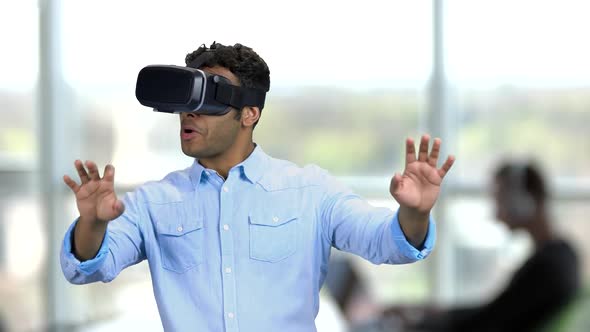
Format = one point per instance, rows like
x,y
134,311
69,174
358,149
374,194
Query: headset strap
x,y
239,97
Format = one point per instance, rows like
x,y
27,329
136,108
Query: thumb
x,y
118,207
396,182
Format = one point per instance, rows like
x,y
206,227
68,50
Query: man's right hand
x,y
97,204
95,197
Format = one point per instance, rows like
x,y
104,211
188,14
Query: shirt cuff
x,y
87,267
408,249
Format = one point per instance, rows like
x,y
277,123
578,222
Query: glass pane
x,y
22,233
572,223
522,85
23,244
19,68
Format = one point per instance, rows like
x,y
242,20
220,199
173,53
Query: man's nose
x,y
189,115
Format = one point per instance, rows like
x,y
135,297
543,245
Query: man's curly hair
x,y
241,60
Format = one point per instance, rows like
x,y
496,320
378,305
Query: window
x,y
519,89
349,82
22,240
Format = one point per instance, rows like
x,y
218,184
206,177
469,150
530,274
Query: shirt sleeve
x,y
71,263
122,246
402,241
351,224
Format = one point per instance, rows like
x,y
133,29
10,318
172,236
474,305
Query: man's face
x,y
502,204
499,194
208,136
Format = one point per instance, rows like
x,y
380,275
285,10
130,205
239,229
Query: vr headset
x,y
175,89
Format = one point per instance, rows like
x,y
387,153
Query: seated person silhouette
x,y
547,281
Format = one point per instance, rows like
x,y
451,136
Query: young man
x,y
240,241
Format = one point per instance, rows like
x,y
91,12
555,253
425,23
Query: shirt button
x,y
226,189
179,228
230,315
228,270
275,219
226,227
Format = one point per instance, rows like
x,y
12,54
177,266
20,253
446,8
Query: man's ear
x,y
250,114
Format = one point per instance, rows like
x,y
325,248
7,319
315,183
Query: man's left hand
x,y
419,186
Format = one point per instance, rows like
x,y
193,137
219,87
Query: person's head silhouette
x,y
520,195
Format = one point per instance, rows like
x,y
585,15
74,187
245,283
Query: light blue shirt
x,y
246,254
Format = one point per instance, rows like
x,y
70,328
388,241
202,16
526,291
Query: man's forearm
x,y
88,237
414,225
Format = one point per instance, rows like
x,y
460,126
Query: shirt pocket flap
x,y
273,234
176,219
272,219
179,228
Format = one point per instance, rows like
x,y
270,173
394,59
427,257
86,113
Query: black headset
x,y
520,203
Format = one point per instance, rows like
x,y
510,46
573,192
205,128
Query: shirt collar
x,y
196,172
253,167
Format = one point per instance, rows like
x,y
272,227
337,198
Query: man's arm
x,y
87,238
106,237
349,223
414,226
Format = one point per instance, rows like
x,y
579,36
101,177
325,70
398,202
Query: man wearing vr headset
x,y
239,241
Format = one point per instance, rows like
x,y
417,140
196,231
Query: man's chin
x,y
190,153
194,154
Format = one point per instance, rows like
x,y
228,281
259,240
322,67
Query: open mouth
x,y
188,133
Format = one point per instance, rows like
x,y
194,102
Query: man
x,y
240,241
547,281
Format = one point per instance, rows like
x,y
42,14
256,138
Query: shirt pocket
x,y
273,236
180,238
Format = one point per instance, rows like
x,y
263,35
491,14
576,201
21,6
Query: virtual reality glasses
x,y
175,89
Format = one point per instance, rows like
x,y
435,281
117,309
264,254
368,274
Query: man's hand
x,y
97,204
417,189
95,197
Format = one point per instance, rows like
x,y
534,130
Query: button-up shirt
x,y
246,253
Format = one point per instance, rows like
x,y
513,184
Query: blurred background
x,y
350,81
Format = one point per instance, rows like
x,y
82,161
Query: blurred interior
x,y
350,81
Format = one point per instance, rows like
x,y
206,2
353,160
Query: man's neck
x,y
233,156
541,232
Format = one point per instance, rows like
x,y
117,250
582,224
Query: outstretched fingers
x,y
434,153
109,173
71,183
410,151
92,170
423,152
81,171
446,166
